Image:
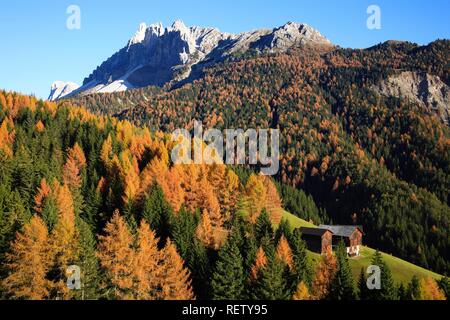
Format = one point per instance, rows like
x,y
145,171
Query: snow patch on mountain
x,y
60,89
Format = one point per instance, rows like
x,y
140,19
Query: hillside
x,y
365,157
402,271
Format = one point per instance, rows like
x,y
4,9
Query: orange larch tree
x,y
117,256
147,265
64,238
325,274
175,278
260,262
284,252
29,263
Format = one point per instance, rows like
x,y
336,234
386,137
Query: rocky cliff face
x,y
156,55
425,89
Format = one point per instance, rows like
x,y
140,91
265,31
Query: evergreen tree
x,y
88,263
263,227
302,267
362,286
402,293
271,283
284,229
444,284
413,290
342,286
192,251
157,212
388,289
228,276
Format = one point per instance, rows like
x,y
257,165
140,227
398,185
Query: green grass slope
x,y
402,271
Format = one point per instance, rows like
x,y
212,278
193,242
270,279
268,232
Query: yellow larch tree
x,y
302,292
255,197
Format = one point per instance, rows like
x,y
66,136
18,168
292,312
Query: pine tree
x,y
342,286
228,276
362,286
263,227
157,212
192,251
444,284
302,292
147,265
302,267
29,263
175,278
88,263
116,256
271,283
402,293
284,229
413,290
388,289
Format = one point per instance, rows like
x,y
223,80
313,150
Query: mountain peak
x,y
178,25
156,55
139,36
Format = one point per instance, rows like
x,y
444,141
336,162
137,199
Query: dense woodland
x,y
100,193
349,155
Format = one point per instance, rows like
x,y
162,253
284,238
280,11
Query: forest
x,y
100,193
360,157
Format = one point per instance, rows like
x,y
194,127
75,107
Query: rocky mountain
x,y
60,89
156,55
425,89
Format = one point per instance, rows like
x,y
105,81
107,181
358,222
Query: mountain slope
x,y
402,271
379,161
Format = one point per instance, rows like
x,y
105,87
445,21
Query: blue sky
x,y
37,48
